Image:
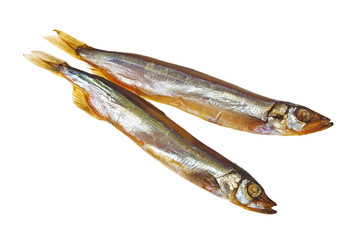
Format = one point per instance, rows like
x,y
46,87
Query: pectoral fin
x,y
206,181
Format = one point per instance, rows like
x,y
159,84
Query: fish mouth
x,y
318,125
262,205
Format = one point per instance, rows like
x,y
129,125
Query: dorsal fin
x,y
80,98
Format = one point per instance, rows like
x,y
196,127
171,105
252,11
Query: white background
x,y
66,175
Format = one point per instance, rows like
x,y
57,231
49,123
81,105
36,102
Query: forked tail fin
x,y
66,43
46,61
73,46
55,65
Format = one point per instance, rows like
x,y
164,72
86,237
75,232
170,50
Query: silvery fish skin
x,y
197,93
159,136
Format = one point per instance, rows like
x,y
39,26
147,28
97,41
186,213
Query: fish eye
x,y
303,115
254,190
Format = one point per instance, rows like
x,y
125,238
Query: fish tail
x,y
55,65
46,61
72,46
67,43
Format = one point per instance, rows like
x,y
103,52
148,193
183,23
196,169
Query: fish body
x,y
159,136
197,93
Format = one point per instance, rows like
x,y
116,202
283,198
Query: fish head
x,y
250,195
244,191
291,119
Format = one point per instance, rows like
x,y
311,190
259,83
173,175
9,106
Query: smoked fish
x,y
159,136
197,93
